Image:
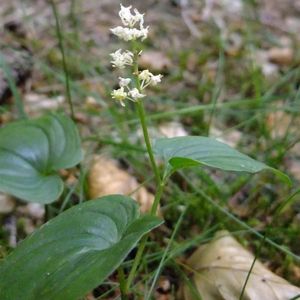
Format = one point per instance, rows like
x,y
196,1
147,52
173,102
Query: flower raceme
x,y
122,59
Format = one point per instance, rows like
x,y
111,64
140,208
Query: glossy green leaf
x,y
187,151
31,153
74,252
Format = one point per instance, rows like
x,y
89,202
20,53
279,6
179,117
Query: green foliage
x,y
31,153
188,151
74,252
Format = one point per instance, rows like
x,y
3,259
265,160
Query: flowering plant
x,y
78,249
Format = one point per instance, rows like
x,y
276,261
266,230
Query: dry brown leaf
x,y
220,270
155,61
281,56
106,178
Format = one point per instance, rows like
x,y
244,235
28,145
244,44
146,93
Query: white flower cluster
x,y
129,34
129,20
131,94
121,59
148,78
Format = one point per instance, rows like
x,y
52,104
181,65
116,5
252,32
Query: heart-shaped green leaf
x,y
74,252
187,151
31,153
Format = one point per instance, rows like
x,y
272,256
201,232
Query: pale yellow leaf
x,y
220,270
106,178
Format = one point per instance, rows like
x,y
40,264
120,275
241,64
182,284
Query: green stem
x,y
142,245
136,262
122,281
62,50
142,117
157,198
160,183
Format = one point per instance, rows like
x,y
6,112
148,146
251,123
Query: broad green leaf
x,y
74,252
31,153
187,151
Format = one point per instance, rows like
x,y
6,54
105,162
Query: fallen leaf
x,y
155,61
220,269
281,56
105,178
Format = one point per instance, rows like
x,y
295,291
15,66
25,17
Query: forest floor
x,y
231,71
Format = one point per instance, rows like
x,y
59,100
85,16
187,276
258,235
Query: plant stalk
x,y
159,182
122,281
136,263
142,117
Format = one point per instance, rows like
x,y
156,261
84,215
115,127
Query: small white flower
x,y
119,95
124,82
149,79
122,33
120,60
145,75
132,34
156,79
135,94
126,16
139,17
129,34
128,19
144,33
